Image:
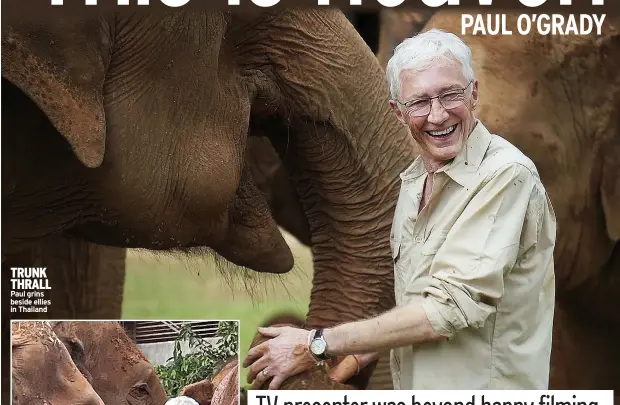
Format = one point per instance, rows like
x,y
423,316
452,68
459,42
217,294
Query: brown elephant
x,y
557,98
204,391
119,371
147,130
201,392
226,385
395,27
42,370
378,29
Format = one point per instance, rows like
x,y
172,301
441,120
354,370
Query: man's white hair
x,y
425,50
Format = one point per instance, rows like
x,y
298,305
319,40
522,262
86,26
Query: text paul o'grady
x,y
543,24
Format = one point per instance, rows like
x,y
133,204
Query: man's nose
x,y
438,114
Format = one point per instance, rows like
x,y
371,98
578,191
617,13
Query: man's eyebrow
x,y
450,87
442,89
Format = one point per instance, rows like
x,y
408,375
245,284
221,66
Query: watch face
x,y
317,346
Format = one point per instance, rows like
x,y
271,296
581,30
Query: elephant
x,y
76,351
223,387
138,162
224,370
396,26
266,168
201,392
226,385
42,370
119,372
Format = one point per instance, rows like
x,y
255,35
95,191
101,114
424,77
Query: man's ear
x,y
475,95
398,112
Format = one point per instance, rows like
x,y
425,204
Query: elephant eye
x,y
137,392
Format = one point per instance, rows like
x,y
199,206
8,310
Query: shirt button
x,y
418,239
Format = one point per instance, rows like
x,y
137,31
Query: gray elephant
x,y
134,130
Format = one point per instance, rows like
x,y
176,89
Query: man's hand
x,y
281,357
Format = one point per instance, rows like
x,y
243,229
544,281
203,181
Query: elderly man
x,y
472,242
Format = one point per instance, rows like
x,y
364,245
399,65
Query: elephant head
x,y
149,120
42,370
118,370
157,125
221,389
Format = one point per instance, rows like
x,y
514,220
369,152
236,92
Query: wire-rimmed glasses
x,y
420,107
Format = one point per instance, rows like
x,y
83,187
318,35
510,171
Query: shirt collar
x,y
464,164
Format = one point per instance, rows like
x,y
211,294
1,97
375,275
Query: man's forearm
x,y
396,328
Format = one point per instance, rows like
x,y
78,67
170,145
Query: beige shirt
x,y
479,256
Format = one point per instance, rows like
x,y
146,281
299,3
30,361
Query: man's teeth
x,y
443,132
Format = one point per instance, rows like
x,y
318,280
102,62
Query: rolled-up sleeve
x,y
467,272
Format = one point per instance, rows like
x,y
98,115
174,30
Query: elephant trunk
x,y
344,149
348,155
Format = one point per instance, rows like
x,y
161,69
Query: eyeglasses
x,y
420,107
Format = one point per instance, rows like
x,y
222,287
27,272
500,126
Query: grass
x,y
168,287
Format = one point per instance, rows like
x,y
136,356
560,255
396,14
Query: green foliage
x,y
201,361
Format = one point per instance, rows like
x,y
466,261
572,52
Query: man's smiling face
x,y
442,132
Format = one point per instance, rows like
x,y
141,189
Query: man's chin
x,y
445,154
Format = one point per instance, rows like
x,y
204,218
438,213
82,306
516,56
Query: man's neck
x,y
433,165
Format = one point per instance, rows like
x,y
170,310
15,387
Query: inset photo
x,y
141,362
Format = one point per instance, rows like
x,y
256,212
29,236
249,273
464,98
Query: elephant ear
x,y
610,190
609,48
60,67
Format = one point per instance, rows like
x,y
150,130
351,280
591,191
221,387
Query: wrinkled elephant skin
x,y
119,372
42,369
272,179
188,186
226,385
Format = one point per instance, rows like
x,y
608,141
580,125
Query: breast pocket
x,y
434,242
400,271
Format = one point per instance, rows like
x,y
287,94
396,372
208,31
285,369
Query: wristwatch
x,y
318,346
